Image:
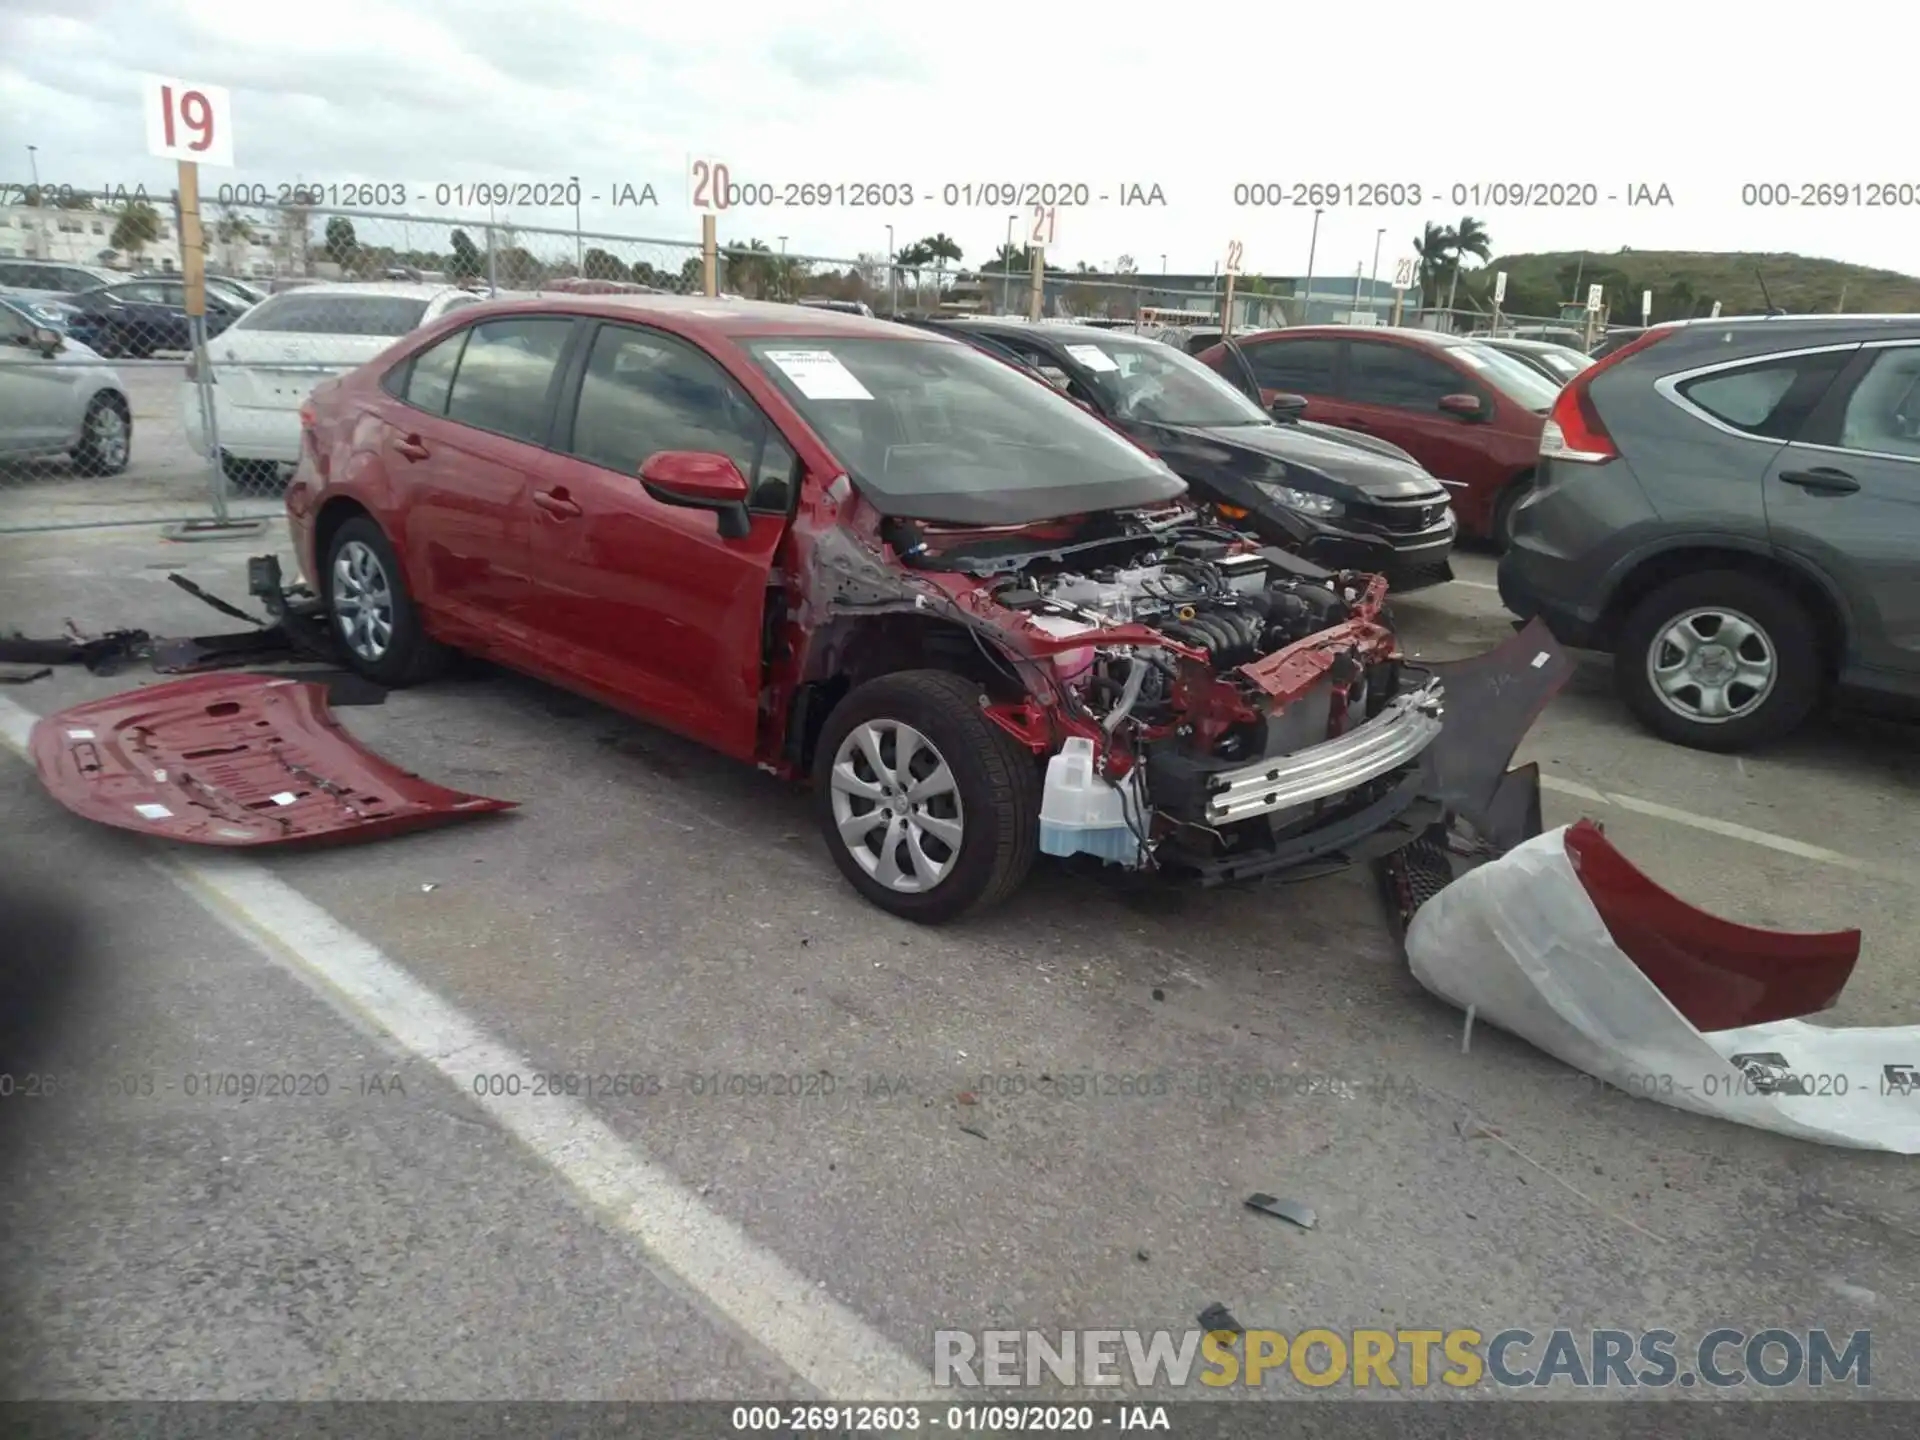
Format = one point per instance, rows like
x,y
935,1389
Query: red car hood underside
x,y
233,760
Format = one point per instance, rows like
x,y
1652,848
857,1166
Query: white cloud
x,y
1194,98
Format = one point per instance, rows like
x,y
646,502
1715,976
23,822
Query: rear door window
x,y
1770,398
1302,367
428,381
1881,413
505,376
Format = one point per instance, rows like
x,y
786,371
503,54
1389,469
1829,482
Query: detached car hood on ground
x,y
233,760
1375,469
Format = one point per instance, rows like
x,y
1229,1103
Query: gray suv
x,y
1732,508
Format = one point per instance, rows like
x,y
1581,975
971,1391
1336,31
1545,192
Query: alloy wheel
x,y
896,805
107,436
1711,665
362,600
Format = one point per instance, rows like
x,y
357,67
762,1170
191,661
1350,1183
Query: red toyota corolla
x,y
982,621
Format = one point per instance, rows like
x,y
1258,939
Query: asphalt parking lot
x,y
656,912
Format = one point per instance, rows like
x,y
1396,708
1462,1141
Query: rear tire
x,y
371,614
106,437
1679,645
991,805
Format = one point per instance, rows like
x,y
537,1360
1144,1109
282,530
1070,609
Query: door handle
x,y
1822,480
411,448
556,504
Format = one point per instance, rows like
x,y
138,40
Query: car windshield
x,y
1513,378
1564,363
301,312
935,429
1156,384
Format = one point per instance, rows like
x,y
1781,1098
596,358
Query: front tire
x,y
1719,661
374,618
106,437
929,808
1500,533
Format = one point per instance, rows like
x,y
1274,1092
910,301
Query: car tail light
x,y
1574,430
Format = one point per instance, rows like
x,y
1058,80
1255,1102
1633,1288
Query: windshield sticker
x,y
819,375
1093,357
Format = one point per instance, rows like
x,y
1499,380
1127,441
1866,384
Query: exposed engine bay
x,y
1240,711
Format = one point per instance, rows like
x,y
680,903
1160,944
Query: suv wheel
x,y
1719,661
374,617
929,808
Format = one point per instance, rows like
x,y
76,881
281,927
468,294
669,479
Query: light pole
x,y
39,225
1306,307
1373,283
893,289
1006,270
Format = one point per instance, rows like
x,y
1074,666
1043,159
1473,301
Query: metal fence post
x,y
203,387
493,272
709,255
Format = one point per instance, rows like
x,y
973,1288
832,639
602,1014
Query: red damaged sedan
x,y
980,621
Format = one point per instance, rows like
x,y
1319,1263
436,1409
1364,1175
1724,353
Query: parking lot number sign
x,y
1593,299
1404,269
187,120
1235,253
709,185
1499,287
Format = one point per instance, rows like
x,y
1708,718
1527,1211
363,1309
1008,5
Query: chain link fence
x,y
108,417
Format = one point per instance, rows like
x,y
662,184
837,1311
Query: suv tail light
x,y
1573,430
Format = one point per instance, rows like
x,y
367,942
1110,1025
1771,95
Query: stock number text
x,y
1821,194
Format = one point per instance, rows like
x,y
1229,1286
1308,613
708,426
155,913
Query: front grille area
x,y
1406,519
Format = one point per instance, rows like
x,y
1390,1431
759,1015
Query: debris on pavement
x,y
1217,1317
1293,1210
974,1131
233,760
214,600
101,654
23,674
1562,942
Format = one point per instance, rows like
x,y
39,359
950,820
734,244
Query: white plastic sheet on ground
x,y
1519,943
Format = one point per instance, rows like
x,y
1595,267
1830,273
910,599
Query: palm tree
x,y
914,260
1432,247
234,232
137,227
1469,237
748,265
939,249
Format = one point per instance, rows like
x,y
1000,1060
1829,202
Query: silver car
x,y
57,397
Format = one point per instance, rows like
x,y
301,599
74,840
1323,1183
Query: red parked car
x,y
982,621
1471,415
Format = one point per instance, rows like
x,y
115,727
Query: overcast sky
x,y
1195,98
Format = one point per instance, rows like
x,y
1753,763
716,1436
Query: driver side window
x,y
643,393
14,329
1049,369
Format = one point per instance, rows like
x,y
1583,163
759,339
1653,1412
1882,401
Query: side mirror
x,y
1287,408
47,342
697,480
1467,407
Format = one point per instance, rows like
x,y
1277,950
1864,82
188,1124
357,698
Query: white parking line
x,y
1476,584
1782,843
826,1344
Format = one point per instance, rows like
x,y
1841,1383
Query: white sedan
x,y
58,397
268,361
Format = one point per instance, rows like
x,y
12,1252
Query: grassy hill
x,y
1687,282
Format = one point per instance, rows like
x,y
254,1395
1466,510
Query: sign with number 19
x,y
188,121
